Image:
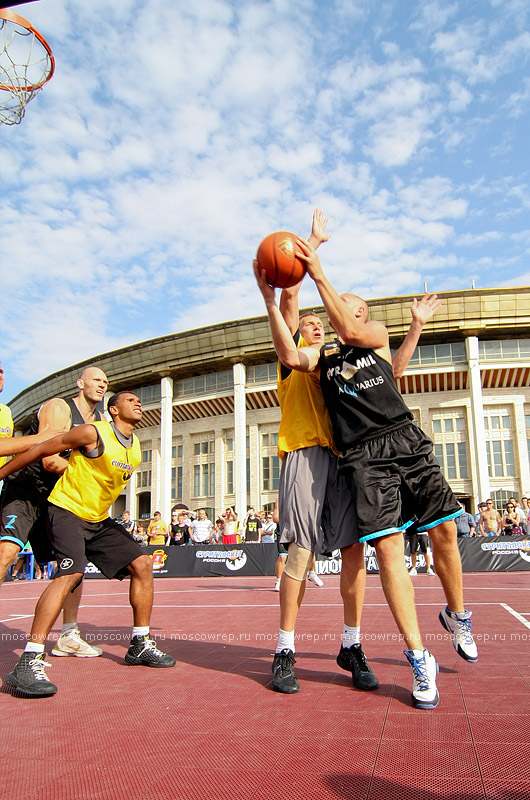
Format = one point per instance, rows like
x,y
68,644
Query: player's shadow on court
x,y
231,658
242,660
349,785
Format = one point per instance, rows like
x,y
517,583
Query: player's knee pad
x,y
299,562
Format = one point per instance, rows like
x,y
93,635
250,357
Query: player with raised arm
x,y
316,512
387,462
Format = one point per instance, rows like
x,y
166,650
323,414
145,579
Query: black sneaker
x,y
353,660
29,677
283,677
143,651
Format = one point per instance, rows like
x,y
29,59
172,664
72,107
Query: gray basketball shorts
x,y
315,504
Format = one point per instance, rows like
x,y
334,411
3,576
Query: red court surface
x,y
212,728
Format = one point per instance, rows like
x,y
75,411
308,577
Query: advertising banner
x,y
479,554
207,561
500,553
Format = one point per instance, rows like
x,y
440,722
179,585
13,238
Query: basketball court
x,y
212,727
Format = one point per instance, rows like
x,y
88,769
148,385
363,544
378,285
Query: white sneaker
x,y
413,571
71,644
424,671
313,577
430,571
277,586
459,625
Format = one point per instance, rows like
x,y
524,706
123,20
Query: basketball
x,y
277,256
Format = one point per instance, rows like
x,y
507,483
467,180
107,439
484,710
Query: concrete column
x,y
477,417
187,470
166,441
130,496
240,441
522,467
255,466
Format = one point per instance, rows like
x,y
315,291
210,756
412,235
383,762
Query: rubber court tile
x,y
497,765
508,789
502,702
421,787
332,784
501,731
353,725
428,726
413,757
309,755
490,684
106,781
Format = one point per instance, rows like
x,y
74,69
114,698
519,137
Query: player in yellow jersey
x,y
104,456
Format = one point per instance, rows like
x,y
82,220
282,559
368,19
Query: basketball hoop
x,y
26,64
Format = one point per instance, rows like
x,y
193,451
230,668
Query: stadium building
x,y
211,413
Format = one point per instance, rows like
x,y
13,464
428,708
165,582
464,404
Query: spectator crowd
x,y
189,528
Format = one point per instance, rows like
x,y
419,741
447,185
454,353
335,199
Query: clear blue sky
x,y
174,136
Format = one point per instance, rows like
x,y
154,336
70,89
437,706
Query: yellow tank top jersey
x,y
89,486
6,427
305,421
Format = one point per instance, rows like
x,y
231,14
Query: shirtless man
x,y
490,521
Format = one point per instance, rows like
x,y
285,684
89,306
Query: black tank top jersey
x,y
360,392
35,472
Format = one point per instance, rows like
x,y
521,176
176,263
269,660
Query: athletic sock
x,y
285,641
68,627
351,636
143,631
34,647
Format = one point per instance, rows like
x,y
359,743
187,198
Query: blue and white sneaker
x,y
424,671
459,626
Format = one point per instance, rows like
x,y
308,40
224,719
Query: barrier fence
x,y
484,554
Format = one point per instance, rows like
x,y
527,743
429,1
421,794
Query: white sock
x,y
141,631
34,647
350,636
285,641
68,627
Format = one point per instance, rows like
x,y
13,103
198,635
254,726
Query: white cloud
x,y
393,143
173,138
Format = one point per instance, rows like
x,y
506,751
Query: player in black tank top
x,y
25,506
360,392
392,473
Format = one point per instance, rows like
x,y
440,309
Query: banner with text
x,y
479,554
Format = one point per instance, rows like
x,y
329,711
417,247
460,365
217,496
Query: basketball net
x,y
26,64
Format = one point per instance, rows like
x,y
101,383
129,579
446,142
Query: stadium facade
x,y
211,411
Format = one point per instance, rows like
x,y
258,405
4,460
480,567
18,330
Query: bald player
x,y
25,497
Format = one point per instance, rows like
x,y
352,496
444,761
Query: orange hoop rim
x,y
10,16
